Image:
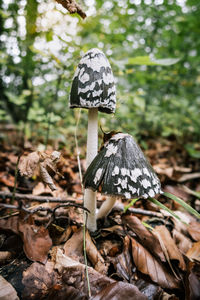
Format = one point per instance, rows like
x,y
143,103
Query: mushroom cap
x,y
121,169
93,83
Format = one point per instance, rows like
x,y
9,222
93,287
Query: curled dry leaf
x,y
120,291
94,256
7,291
46,164
183,243
74,249
194,286
36,240
169,244
148,265
28,164
74,246
10,224
123,262
39,281
73,273
146,238
194,252
194,230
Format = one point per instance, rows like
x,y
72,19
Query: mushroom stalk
x,y
92,147
106,207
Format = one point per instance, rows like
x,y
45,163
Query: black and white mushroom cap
x,y
121,169
93,83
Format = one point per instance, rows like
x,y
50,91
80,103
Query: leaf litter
x,y
126,258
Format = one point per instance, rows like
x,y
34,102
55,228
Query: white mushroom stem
x,y
92,148
106,207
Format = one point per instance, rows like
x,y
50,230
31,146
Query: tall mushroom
x,y
93,88
120,169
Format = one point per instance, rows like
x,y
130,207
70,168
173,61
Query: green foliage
x,y
153,48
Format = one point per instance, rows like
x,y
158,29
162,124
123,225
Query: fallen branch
x,y
30,197
138,211
32,210
72,7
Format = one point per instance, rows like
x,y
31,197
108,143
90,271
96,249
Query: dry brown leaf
x,y
39,281
120,291
28,164
94,256
36,240
194,230
170,246
60,236
123,262
146,238
73,273
46,164
74,246
194,286
10,224
7,291
148,265
194,252
182,242
177,191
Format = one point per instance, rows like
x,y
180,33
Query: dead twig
x,y
30,197
72,7
39,208
138,211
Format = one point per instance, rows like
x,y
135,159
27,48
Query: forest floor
x,y
137,252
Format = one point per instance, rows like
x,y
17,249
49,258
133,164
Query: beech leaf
x,y
148,265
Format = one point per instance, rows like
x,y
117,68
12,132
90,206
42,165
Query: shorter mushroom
x,y
120,169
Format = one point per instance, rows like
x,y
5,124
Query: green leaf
x,y
148,61
192,151
162,206
183,204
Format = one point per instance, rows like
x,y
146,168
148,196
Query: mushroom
x,y
120,169
93,88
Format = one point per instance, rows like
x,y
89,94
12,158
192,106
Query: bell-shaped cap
x,y
93,83
121,169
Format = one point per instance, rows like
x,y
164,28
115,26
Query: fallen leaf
x,y
170,246
148,265
94,256
10,224
146,238
39,281
36,240
74,246
177,191
194,230
183,242
194,286
28,164
60,236
194,252
73,273
120,291
46,164
123,262
7,291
